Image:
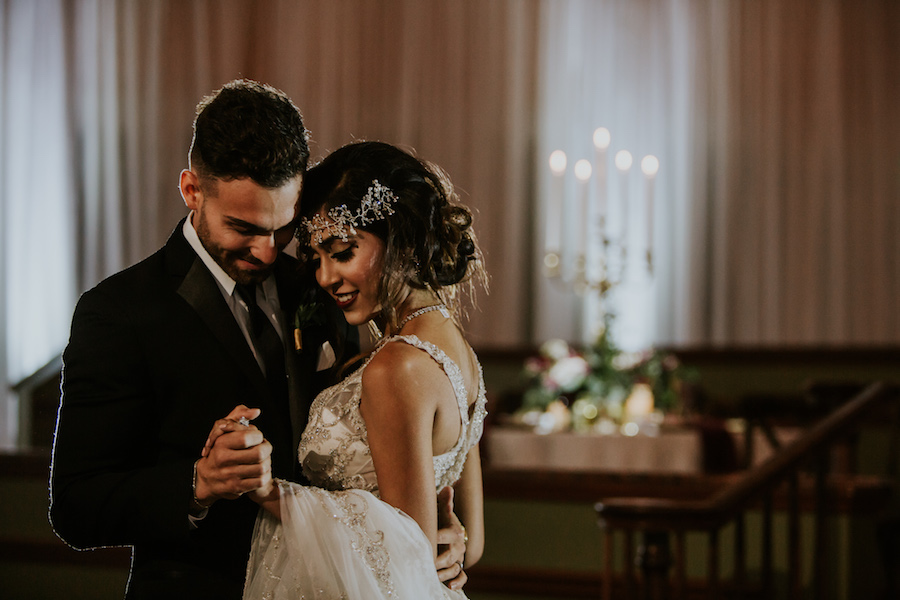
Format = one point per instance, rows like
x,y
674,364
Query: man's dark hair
x,y
249,130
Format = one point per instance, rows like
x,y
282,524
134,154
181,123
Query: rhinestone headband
x,y
342,223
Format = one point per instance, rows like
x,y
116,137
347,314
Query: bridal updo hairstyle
x,y
429,242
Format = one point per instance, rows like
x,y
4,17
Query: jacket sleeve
x,y
108,485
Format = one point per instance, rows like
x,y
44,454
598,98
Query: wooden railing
x,y
660,520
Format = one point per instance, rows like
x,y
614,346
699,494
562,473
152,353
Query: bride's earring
x,y
374,331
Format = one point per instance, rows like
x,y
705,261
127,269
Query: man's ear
x,y
190,189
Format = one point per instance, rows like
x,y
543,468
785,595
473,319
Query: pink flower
x,y
670,362
536,365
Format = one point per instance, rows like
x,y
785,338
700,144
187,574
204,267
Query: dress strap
x,y
451,369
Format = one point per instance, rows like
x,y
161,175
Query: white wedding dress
x,y
338,540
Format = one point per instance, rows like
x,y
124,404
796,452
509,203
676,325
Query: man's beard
x,y
227,259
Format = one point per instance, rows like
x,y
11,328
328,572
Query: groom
x,y
198,331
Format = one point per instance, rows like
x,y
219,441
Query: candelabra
x,y
589,272
581,253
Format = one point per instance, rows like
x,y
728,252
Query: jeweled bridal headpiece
x,y
342,223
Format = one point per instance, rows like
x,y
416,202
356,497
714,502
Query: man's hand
x,y
236,459
451,539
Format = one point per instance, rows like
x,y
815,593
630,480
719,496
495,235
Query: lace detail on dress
x,y
334,449
267,566
346,545
368,544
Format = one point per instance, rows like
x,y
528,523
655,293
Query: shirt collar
x,y
223,278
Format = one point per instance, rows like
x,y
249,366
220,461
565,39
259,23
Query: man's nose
x,y
264,249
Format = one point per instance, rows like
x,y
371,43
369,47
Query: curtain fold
x,y
37,276
94,98
808,253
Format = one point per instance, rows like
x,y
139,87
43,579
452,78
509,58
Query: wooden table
x,y
673,450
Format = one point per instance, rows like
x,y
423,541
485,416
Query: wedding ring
x,y
244,421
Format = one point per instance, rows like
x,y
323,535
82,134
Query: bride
x,y
390,244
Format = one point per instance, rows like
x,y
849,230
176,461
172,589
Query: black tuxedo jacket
x,y
155,356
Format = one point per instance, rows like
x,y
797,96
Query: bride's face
x,y
351,273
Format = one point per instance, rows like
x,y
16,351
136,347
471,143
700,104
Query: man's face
x,y
241,224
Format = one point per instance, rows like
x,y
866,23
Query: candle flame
x,y
650,165
583,170
623,160
558,162
601,138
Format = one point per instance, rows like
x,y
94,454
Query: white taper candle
x,y
555,221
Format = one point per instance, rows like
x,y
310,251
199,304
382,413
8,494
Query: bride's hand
x,y
235,460
451,539
267,493
228,424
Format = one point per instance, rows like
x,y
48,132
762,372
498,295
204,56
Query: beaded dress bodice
x,y
334,450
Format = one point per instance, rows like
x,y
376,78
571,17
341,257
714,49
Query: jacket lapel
x,y
199,289
193,282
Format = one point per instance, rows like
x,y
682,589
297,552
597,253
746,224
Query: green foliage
x,y
602,374
309,312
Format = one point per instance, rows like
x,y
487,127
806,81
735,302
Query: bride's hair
x,y
429,242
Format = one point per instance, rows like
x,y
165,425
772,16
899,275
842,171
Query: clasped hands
x,y
236,460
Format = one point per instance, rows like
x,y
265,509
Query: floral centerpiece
x,y
600,388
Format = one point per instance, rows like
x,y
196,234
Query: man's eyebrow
x,y
245,225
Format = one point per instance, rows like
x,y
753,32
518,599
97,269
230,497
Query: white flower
x,y
627,360
555,349
568,373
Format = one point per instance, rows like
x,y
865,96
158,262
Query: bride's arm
x,y
469,503
269,498
399,406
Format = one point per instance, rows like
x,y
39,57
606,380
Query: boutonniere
x,y
309,313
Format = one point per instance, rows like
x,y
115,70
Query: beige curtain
x,y
804,202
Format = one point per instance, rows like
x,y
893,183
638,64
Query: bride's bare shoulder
x,y
399,369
